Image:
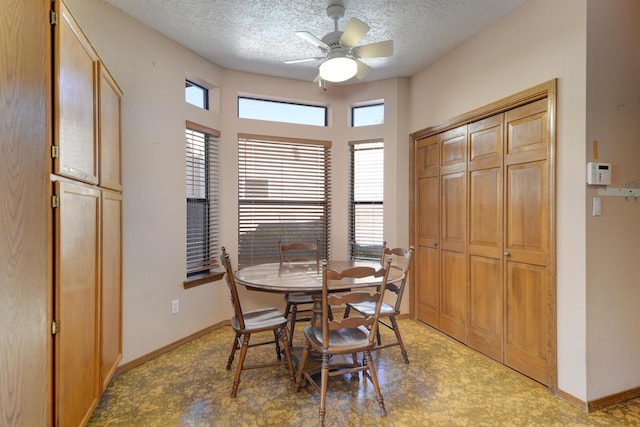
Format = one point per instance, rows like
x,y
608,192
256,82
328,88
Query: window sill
x,y
202,279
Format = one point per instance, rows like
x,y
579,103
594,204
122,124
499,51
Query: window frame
x,y
210,270
372,253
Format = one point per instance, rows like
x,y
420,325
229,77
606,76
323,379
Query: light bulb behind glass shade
x,y
338,69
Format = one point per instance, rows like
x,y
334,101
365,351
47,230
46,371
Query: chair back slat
x,y
233,290
299,252
356,274
400,258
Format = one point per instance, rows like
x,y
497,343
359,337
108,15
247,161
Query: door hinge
x,y
53,17
55,201
54,327
55,151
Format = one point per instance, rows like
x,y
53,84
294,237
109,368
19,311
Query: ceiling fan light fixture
x,y
338,69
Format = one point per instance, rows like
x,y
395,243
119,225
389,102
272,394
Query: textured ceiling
x,y
258,35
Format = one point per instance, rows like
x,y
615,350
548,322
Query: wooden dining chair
x,y
400,258
344,336
251,322
298,252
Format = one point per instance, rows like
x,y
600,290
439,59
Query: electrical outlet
x,y
175,306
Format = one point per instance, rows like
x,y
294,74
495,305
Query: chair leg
x,y
374,379
294,315
303,362
233,351
378,336
324,382
277,342
243,354
394,323
287,351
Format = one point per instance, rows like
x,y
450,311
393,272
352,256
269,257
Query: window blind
x,y
283,194
366,191
202,166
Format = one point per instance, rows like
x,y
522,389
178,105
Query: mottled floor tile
x,y
446,384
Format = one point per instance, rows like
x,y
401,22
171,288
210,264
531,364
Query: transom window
x,y
366,115
196,95
366,182
283,194
280,111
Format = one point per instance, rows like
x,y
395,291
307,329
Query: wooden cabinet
x,y
88,223
25,215
483,209
77,256
110,286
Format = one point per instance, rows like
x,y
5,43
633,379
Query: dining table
x,y
306,277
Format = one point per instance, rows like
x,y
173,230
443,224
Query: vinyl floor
x,y
446,384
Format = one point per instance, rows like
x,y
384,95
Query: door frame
x,y
546,90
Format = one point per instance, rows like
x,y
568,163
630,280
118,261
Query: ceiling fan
x,y
341,57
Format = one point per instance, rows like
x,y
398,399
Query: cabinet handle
x,y
507,254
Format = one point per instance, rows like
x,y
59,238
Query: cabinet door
x,y
110,286
75,67
76,287
427,265
486,302
109,118
527,221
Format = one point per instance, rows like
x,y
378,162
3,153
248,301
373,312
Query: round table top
x,y
306,277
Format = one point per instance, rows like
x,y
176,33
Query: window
x,y
283,194
202,200
365,115
366,179
196,95
278,111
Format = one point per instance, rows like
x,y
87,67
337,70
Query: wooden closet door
x,y
427,265
453,208
77,252
486,320
527,240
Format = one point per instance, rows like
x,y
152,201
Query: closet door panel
x,y
486,320
526,345
453,308
427,267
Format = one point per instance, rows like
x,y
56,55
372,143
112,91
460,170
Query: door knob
x,y
507,254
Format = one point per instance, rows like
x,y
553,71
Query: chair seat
x,y
369,308
341,341
299,298
264,318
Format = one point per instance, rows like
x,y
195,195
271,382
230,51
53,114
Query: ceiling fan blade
x,y
374,50
305,35
298,61
353,32
363,70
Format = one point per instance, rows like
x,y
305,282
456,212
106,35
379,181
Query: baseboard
x,y
605,402
167,348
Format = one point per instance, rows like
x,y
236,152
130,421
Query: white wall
x,y
613,239
542,40
151,70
